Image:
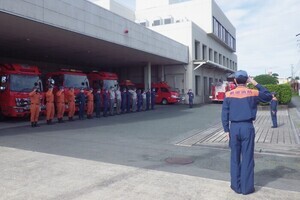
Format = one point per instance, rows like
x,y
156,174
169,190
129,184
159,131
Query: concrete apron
x,y
34,175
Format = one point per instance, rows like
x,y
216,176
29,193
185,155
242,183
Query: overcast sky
x,y
265,34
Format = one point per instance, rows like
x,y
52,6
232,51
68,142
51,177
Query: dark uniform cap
x,y
241,73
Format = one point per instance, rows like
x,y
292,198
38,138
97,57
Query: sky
x,y
265,34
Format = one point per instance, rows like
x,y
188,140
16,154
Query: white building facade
x,y
202,27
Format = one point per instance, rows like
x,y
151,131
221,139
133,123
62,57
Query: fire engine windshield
x,y
107,84
76,81
22,83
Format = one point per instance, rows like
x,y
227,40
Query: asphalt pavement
x,y
130,157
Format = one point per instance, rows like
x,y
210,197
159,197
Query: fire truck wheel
x,y
164,101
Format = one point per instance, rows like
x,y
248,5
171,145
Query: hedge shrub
x,y
283,91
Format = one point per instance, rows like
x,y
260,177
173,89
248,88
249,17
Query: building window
x,y
205,85
197,85
177,1
220,31
224,61
220,59
197,50
168,20
216,57
204,53
156,22
210,54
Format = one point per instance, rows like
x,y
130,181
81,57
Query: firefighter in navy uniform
x,y
81,100
148,94
191,98
153,96
97,98
123,101
238,112
273,107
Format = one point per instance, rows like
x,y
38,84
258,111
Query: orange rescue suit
x,y
60,104
90,103
49,104
71,102
35,100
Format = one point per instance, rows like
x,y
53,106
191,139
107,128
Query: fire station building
x,y
188,43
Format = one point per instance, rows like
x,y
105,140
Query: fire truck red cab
x,y
219,89
103,80
127,84
68,78
17,81
164,93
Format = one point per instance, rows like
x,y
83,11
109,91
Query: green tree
x,y
265,79
275,75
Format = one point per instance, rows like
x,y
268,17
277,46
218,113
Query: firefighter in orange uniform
x,y
60,104
90,103
49,105
35,100
71,103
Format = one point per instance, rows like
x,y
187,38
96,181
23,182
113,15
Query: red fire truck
x,y
103,80
68,78
164,93
17,81
219,89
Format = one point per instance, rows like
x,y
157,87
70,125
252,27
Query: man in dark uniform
x,y
128,96
239,108
273,107
148,99
191,97
153,96
81,100
105,97
139,100
123,100
98,103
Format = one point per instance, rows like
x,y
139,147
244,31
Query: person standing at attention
x,y
273,107
238,112
35,106
191,98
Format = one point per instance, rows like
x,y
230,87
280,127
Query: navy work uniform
x,y
273,108
191,98
148,94
123,100
139,100
128,95
97,99
105,102
81,100
239,108
153,96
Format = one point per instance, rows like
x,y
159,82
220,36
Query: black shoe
x,y
32,124
35,124
274,127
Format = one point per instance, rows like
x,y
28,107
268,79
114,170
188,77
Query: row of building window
x,y
207,85
205,53
162,21
223,34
